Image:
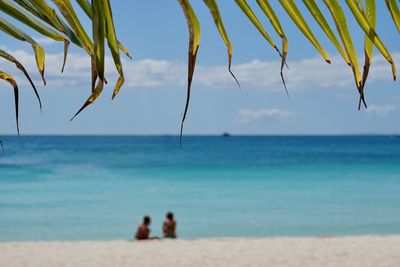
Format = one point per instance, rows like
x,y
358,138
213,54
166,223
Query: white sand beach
x,y
363,251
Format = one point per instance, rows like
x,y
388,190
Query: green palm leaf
x,y
12,59
43,11
71,17
295,14
67,27
215,13
342,27
371,33
113,45
86,7
244,6
273,18
320,18
98,56
17,33
194,43
8,78
394,12
370,13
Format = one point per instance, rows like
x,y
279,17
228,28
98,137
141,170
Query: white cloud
x,y
153,73
44,40
257,115
382,111
311,73
145,73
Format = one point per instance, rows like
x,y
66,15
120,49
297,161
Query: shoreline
x,y
221,238
366,250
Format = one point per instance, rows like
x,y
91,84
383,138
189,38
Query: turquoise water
x,y
98,188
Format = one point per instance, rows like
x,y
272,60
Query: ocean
x,y
100,187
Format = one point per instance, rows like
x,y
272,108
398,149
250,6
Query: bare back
x,y
142,232
169,229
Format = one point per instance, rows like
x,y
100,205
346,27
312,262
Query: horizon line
x,y
225,134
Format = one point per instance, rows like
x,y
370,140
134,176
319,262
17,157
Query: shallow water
x,y
79,188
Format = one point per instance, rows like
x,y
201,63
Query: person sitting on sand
x,y
169,226
143,231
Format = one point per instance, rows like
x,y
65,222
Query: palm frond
x,y
370,13
394,12
18,64
18,34
273,18
369,30
244,6
216,15
86,6
322,22
339,18
194,43
10,79
60,22
294,12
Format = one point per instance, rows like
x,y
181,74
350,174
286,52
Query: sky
x,y
323,98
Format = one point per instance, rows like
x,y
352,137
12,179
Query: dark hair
x,y
170,215
146,219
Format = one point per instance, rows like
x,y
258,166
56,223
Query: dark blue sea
x,y
99,188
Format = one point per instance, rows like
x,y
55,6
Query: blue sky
x,y
323,99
